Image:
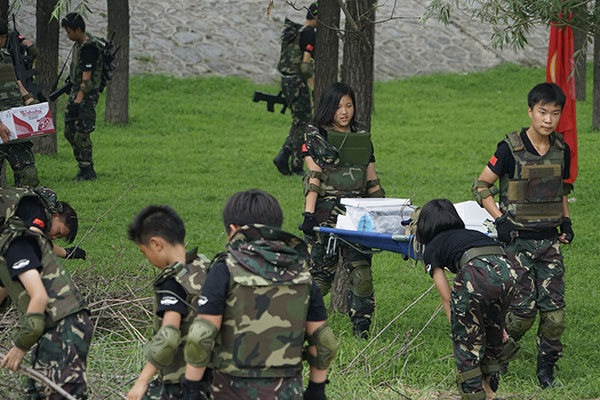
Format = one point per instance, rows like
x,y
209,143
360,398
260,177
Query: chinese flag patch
x,y
309,47
304,149
39,223
493,161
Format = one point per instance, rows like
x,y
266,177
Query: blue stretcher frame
x,y
402,244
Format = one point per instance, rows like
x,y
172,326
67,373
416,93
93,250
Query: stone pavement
x,y
235,38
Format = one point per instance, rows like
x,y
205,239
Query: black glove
x,y
315,391
73,110
566,227
504,228
75,252
308,224
195,390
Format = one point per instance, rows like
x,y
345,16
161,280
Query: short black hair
x,y
73,21
312,11
3,27
328,105
253,206
157,220
69,217
546,93
437,216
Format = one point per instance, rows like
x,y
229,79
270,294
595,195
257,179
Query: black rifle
x,y
271,100
66,88
24,64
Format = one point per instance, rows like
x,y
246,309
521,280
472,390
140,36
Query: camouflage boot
x,y
545,372
282,161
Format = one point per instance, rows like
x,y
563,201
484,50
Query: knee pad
x,y
324,340
462,377
552,324
517,326
27,176
199,343
510,351
361,281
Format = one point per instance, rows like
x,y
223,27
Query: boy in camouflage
x,y
532,165
160,234
52,313
477,304
258,307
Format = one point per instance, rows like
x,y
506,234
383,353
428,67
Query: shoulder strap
x,y
514,141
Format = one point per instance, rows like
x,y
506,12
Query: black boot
x,y
361,329
282,161
545,372
86,173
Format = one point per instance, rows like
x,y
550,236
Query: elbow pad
x,y
199,343
325,342
163,346
379,192
28,330
479,195
87,88
306,69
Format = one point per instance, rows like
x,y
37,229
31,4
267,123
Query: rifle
x,y
66,88
23,64
271,100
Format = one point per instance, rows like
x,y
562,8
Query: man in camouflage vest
x,y
53,316
532,165
258,306
85,75
296,67
160,234
13,94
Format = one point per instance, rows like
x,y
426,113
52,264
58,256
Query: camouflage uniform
x,y
295,89
78,130
19,155
258,350
61,351
167,386
335,184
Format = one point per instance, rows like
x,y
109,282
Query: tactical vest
x,y
10,95
263,327
76,71
349,178
532,200
191,277
291,54
63,297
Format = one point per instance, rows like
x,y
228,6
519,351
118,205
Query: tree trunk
x,y
580,43
327,47
46,65
359,51
117,93
4,12
596,91
339,290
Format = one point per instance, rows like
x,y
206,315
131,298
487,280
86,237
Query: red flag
x,y
560,70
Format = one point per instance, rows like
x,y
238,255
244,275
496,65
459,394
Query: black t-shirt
x,y
89,54
323,133
216,287
32,213
308,38
447,247
503,162
22,255
171,297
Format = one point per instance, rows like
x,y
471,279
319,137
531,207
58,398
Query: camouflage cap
x,y
312,11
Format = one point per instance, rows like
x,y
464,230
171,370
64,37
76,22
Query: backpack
x,y
108,58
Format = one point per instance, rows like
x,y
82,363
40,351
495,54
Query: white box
x,y
27,122
375,214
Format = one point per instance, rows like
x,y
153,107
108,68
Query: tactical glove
x,y
308,224
505,228
315,391
195,390
567,228
73,110
75,252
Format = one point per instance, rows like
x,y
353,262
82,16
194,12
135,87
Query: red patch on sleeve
x,y
39,223
304,149
493,161
309,47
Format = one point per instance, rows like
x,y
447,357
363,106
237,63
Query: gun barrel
x,y
60,91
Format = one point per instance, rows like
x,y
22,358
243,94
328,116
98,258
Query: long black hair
x,y
328,105
437,216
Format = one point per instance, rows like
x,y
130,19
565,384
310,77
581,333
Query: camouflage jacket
x,y
262,333
291,53
532,199
10,95
76,70
63,296
191,277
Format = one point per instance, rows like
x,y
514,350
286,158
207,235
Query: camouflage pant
x,y
296,90
61,355
541,286
157,390
78,130
227,387
481,295
21,160
361,298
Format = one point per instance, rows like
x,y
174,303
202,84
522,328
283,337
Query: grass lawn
x,y
191,143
